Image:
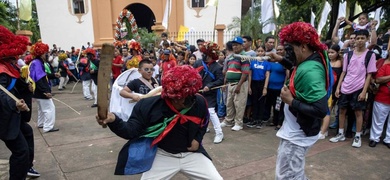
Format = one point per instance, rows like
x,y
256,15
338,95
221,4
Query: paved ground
x,y
83,150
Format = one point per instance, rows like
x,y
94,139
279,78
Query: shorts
x,y
351,100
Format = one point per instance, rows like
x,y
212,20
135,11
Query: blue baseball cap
x,y
167,52
238,40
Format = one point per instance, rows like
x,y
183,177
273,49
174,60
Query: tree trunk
x,y
333,17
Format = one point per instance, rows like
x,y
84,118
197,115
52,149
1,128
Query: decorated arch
x,y
134,28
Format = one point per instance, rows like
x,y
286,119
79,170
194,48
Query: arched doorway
x,y
143,15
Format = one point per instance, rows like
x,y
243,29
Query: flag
x,y
167,12
267,15
277,11
358,10
377,17
25,10
342,13
212,3
324,17
312,18
182,31
342,9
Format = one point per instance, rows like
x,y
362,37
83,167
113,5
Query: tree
x,y
248,25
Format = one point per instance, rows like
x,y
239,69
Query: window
x,y
197,3
78,7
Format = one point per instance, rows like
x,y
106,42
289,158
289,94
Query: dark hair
x,y
164,34
248,38
165,43
181,53
199,40
192,55
229,46
268,38
336,48
362,32
144,61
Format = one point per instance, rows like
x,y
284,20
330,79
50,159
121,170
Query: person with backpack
x,y
211,73
353,85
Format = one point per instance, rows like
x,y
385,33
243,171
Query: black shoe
x,y
251,124
387,144
372,144
33,173
277,128
94,105
53,130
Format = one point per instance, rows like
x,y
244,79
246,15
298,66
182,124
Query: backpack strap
x,y
206,70
367,58
12,84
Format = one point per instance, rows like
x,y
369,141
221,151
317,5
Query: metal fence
x,y
191,37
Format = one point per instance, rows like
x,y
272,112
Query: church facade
x,y
69,23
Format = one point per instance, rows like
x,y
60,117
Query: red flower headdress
x,y
39,48
90,51
180,82
28,59
301,33
10,44
135,45
210,49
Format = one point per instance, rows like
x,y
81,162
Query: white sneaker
x,y
339,137
323,136
357,142
218,138
236,128
226,124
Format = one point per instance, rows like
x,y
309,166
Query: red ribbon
x,y
183,119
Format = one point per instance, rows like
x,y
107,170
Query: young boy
x,y
352,87
142,85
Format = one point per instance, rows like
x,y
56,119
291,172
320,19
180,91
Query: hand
x,y
237,90
205,89
48,95
374,23
21,105
362,96
137,98
337,93
286,95
250,91
57,75
340,19
30,87
264,91
224,88
92,71
274,57
103,122
194,145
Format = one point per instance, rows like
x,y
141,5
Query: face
x,y
270,44
332,54
221,56
116,52
146,71
360,41
362,20
247,44
200,44
280,51
180,57
352,38
260,51
237,48
192,60
125,52
259,42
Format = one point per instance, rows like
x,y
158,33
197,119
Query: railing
x,y
192,36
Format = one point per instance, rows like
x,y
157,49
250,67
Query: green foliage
x,y
248,25
148,39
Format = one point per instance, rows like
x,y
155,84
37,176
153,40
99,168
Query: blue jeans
x,y
221,107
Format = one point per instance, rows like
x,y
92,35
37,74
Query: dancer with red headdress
x,y
175,122
306,95
14,131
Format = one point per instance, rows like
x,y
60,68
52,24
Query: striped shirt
x,y
235,68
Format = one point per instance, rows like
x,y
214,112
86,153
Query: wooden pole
x,y
104,73
11,95
215,20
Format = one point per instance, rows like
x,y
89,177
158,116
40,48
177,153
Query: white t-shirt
x,y
54,63
292,131
71,67
156,70
21,63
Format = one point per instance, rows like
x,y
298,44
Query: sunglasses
x,y
148,69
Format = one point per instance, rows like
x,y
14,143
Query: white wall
x,y
59,27
227,9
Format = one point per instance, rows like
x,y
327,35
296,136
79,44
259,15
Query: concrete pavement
x,y
83,150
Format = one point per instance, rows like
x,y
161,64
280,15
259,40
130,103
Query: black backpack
x,y
366,59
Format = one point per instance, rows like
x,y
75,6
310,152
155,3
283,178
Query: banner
x,y
182,32
312,18
378,17
25,10
267,16
167,13
212,3
324,17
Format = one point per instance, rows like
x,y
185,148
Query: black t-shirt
x,y
138,86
